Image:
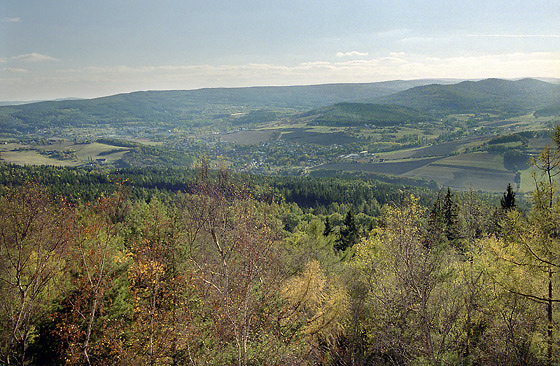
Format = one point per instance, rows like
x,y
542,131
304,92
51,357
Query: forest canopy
x,y
169,266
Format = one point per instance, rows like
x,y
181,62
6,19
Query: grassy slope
x,y
480,171
26,154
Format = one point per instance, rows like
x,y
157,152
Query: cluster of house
x,y
96,162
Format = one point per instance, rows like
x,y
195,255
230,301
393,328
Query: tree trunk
x,y
549,316
152,320
89,328
427,330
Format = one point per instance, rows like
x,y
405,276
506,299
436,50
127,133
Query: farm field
x,y
478,171
60,153
392,168
446,148
464,178
250,137
32,157
300,135
482,171
479,160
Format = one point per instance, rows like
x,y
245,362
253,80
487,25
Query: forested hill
x,y
189,107
355,114
490,96
380,103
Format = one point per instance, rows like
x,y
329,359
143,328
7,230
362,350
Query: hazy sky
x,y
78,48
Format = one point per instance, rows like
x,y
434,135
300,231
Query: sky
x,y
76,48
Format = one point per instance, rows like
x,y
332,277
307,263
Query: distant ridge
x,y
488,95
295,95
305,96
188,107
414,100
20,102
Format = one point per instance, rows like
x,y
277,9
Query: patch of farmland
x,y
486,160
445,148
97,150
398,154
32,157
464,177
527,181
393,168
303,135
536,145
501,123
250,137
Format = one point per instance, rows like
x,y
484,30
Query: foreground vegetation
x,y
222,271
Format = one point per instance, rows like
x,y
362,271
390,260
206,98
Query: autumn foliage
x,y
223,275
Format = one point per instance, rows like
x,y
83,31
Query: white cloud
x,y
394,66
418,39
98,81
33,57
393,33
11,20
351,54
14,70
515,35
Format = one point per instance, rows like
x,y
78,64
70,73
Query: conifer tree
x,y
450,216
508,200
349,233
328,227
436,224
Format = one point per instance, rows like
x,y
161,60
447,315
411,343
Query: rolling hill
x,y
206,106
485,96
354,114
187,107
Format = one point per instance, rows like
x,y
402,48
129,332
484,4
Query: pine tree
x,y
508,200
349,233
451,216
436,224
328,227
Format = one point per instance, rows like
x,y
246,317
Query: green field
x,y
32,157
252,137
36,154
478,171
482,171
392,168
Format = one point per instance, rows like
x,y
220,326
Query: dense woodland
x,y
210,268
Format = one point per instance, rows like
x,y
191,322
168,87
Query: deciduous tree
x,y
34,237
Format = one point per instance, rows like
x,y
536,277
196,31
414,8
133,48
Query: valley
x,y
467,135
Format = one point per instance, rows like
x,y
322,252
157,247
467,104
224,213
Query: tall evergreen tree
x,y
436,223
508,200
349,233
328,227
451,216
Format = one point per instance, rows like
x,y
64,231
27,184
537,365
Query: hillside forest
x,y
215,268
